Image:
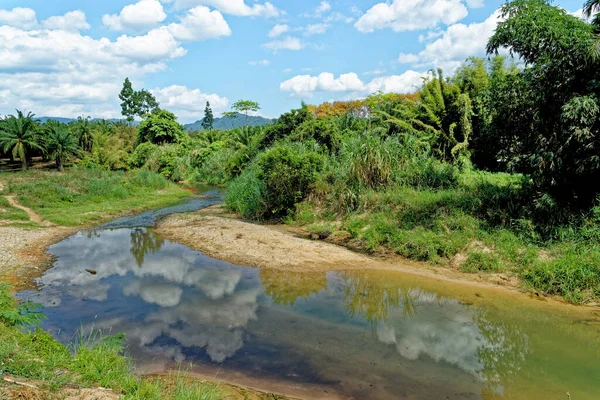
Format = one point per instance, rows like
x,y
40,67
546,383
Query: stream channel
x,y
351,335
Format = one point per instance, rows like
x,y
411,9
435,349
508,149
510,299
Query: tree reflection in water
x,y
285,287
144,242
474,339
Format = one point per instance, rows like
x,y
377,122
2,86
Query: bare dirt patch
x,y
33,216
23,252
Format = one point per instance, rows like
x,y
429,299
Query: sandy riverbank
x,y
279,247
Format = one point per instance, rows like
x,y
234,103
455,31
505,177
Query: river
x,y
352,335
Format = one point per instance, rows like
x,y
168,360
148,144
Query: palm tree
x,y
61,145
19,136
591,8
83,128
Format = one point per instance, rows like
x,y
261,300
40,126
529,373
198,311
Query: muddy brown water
x,y
351,335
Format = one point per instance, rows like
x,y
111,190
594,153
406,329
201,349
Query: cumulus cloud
x,y
187,103
232,7
316,29
327,82
278,30
200,23
456,43
410,15
71,21
19,17
287,43
323,7
142,15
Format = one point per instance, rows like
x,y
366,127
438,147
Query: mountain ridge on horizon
x,y
220,123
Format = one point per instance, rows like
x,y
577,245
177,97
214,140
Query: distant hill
x,y
69,120
225,123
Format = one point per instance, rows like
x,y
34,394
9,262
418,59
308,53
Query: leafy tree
x,y
209,119
548,119
286,124
136,103
61,145
19,135
160,127
243,107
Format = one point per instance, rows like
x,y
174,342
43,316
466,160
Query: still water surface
x,y
361,335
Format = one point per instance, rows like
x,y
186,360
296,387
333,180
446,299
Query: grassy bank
x,y
81,196
90,362
476,226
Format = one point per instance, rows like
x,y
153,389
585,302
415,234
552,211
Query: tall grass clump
x,y
245,194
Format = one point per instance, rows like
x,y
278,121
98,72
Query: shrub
x,y
166,160
141,154
322,131
287,172
245,195
481,261
215,169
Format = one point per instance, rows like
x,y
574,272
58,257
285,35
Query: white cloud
x,y
456,43
404,58
142,15
232,7
409,15
71,21
263,63
200,23
188,104
316,29
322,8
19,17
475,3
326,82
287,43
42,70
375,72
278,30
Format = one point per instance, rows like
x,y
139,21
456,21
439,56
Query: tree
x,y
136,103
243,107
547,116
19,135
209,119
83,130
160,127
61,144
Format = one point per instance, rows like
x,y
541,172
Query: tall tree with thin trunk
x,y
19,135
209,119
243,107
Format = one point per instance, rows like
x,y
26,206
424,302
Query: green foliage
x,y
287,171
61,145
19,314
209,119
481,261
166,159
243,107
546,115
136,103
246,194
160,127
113,146
19,135
324,132
141,154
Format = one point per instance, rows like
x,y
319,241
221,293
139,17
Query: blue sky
x,y
69,58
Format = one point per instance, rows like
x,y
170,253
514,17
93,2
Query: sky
x,y
69,58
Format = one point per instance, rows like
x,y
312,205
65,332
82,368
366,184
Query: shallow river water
x,y
360,335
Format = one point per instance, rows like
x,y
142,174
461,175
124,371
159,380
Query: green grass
x,y
474,227
89,196
9,213
93,360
